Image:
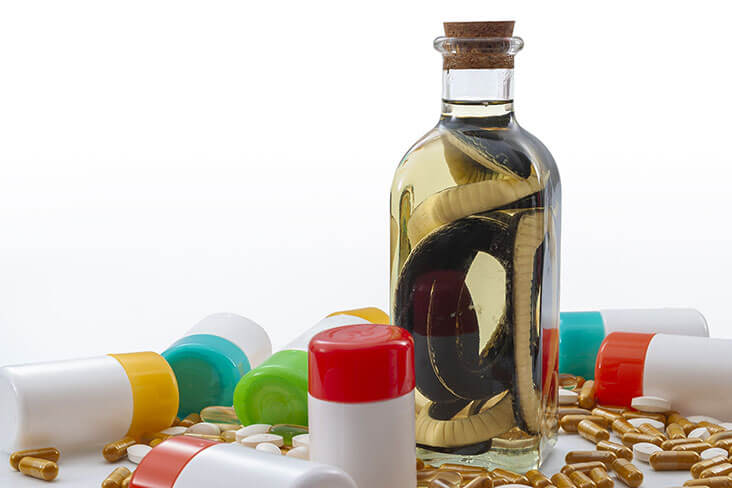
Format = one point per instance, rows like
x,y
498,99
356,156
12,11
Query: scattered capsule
x,y
115,479
711,427
676,418
581,480
538,479
561,480
583,467
601,478
586,397
651,430
570,381
446,479
605,457
569,422
724,444
608,415
670,444
228,436
622,426
564,411
614,408
696,447
716,482
47,453
114,451
511,476
673,460
618,449
722,469
628,473
126,482
193,418
697,468
592,432
675,431
467,472
727,434
482,481
42,469
632,438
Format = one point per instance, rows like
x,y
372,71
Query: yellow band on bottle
x,y
154,392
371,314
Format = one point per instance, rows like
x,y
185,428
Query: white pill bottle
x,y
690,372
361,403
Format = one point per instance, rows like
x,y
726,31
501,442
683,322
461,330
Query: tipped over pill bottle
x,y
186,462
690,372
210,359
276,391
581,333
82,403
361,403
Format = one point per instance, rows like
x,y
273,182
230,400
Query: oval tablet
x,y
302,440
205,428
252,430
301,452
642,451
269,447
713,452
637,422
651,404
702,418
699,433
137,452
254,440
172,431
567,397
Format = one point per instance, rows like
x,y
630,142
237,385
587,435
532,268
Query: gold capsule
x,y
586,397
618,449
676,418
622,426
601,479
675,431
674,460
697,468
628,473
581,480
605,457
716,482
696,447
114,451
47,453
632,438
569,422
538,479
722,469
564,411
606,414
614,408
42,469
645,415
482,481
446,479
228,436
192,419
511,476
719,436
592,432
467,472
724,444
651,430
712,428
126,482
561,480
583,467
426,475
115,479
671,443
568,381
154,442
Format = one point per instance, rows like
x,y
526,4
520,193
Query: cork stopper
x,y
477,54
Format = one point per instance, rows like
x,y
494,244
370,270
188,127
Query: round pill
x,y
713,452
205,428
567,397
642,451
254,440
269,447
699,433
695,419
177,430
640,421
253,429
137,452
302,440
651,404
302,452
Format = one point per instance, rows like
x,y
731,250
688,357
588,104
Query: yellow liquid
x,y
474,278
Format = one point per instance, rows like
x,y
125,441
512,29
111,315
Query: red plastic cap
x,y
619,367
161,466
361,363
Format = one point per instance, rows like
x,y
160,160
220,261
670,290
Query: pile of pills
x,y
37,463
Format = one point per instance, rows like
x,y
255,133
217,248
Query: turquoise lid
x,y
208,369
580,337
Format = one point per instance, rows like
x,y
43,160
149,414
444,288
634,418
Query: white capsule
x,y
269,447
177,430
567,397
695,419
204,428
136,452
256,439
651,404
699,433
655,423
642,451
252,430
713,452
301,452
301,440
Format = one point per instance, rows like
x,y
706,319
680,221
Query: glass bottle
x,y
475,216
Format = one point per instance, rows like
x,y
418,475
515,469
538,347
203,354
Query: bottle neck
x,y
477,92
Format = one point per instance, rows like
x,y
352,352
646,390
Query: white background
x,y
160,161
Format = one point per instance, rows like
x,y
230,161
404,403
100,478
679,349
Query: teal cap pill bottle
x,y
210,359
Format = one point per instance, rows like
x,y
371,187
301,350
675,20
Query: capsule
x,y
446,479
583,467
677,418
608,415
114,451
671,443
605,457
42,469
631,414
228,436
722,469
697,468
515,478
190,420
586,398
154,442
628,473
115,479
569,422
618,449
601,479
561,480
632,438
592,432
622,426
716,482
467,472
712,428
651,430
727,434
675,431
48,453
674,460
696,447
564,411
426,475
482,481
538,479
126,482
581,480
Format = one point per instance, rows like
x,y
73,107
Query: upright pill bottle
x,y
84,403
361,403
691,372
210,359
276,391
581,333
186,462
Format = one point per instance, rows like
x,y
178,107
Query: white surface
x,y
680,321
686,372
301,342
231,465
246,334
358,437
64,404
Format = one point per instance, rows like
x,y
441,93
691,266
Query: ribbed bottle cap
x,y
619,367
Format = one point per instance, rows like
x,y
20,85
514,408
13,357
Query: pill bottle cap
x,y
246,334
161,466
619,367
580,336
361,363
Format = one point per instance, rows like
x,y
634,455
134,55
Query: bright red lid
x,y
619,367
161,466
361,363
